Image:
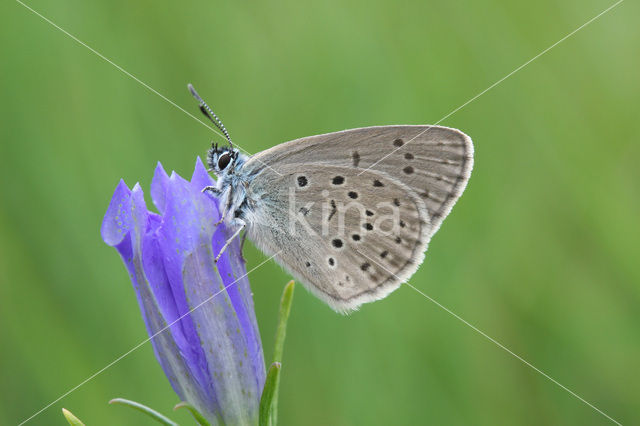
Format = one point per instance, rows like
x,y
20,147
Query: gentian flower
x,y
199,314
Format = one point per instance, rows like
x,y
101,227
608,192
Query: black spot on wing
x,y
337,180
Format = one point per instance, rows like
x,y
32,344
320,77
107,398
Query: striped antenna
x,y
208,112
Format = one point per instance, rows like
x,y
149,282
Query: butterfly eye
x,y
224,161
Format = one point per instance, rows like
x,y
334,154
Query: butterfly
x,y
349,214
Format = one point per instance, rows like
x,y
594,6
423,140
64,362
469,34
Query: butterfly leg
x,y
216,192
212,189
233,237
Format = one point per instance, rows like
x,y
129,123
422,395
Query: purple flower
x,y
213,354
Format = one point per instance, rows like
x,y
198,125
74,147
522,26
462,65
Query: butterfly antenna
x,y
208,112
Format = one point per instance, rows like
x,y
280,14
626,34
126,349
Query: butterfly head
x,y
222,160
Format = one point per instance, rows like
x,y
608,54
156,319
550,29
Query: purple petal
x,y
211,350
170,345
232,271
115,224
177,236
222,338
159,187
200,177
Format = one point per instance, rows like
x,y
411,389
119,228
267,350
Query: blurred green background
x,y
540,253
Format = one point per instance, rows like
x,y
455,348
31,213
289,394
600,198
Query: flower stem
x,y
148,411
266,401
269,400
196,414
283,317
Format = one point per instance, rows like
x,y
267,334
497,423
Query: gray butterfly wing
x,y
351,234
434,161
350,239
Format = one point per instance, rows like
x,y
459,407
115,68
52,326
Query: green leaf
x,y
73,420
274,370
269,391
283,317
148,411
196,414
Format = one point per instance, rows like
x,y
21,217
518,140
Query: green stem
x,y
269,399
144,409
281,333
266,401
196,414
283,317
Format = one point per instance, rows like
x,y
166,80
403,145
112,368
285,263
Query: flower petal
x,y
221,335
211,350
177,236
159,187
201,179
115,224
231,268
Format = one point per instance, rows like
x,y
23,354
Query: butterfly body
x,y
349,214
231,184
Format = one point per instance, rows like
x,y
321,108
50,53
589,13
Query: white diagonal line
x,y
498,82
142,83
491,339
524,361
115,361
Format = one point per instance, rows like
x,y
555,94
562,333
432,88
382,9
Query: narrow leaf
x,y
283,317
73,420
281,333
268,393
148,411
196,414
